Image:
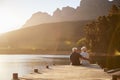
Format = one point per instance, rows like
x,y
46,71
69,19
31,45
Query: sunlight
x,y
14,14
8,25
6,29
10,21
117,53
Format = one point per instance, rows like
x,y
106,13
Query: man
x,y
75,57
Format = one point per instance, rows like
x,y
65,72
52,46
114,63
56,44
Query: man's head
x,y
74,49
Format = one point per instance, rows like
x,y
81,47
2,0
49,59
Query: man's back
x,y
75,58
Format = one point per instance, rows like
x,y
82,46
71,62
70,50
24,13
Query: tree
x,y
82,42
115,40
102,34
114,10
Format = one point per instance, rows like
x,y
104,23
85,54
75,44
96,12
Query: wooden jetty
x,y
69,72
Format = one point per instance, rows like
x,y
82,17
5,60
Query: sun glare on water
x,y
110,0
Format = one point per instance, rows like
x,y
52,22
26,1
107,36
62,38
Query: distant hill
x,y
51,36
88,10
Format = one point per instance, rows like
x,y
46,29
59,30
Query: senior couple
x,y
79,58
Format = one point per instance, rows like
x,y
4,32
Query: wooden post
x,y
105,69
15,76
53,64
114,77
36,70
47,67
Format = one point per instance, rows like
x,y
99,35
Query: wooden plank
x,y
115,75
68,72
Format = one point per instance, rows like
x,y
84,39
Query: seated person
x,y
75,57
85,55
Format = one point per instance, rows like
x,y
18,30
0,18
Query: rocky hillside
x,y
88,10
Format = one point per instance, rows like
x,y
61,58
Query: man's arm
x,y
84,58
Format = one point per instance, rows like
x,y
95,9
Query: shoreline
x,y
19,52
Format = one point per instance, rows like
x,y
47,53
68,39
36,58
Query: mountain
x,y
88,10
43,37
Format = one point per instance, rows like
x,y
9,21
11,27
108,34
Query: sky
x,y
14,13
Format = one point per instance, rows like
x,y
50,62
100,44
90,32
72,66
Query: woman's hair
x,y
83,48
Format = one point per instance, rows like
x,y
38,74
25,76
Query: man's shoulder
x,y
74,53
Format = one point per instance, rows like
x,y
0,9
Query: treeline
x,y
103,34
60,36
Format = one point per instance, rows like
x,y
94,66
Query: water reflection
x,y
24,64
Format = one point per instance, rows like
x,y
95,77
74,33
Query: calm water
x,y
24,64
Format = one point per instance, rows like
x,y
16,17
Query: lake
x,y
25,64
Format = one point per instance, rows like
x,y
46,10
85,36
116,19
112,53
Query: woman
x,y
84,54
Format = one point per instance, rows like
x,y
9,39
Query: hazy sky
x,y
14,13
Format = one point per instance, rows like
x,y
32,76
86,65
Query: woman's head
x,y
83,49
